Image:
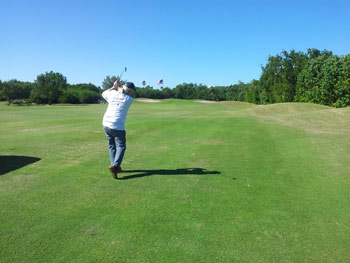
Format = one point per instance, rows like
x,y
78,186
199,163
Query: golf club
x,y
121,74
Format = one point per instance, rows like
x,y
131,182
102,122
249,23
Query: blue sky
x,y
208,42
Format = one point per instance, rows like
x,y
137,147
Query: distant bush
x,y
14,89
88,96
76,96
48,88
84,86
70,96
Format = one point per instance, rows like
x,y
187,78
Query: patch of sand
x,y
147,100
205,101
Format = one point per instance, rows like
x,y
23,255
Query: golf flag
x,y
160,82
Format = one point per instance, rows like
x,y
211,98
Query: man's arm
x,y
115,86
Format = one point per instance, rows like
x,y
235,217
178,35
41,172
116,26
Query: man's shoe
x,y
119,170
113,171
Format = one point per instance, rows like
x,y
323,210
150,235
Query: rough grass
x,y
223,182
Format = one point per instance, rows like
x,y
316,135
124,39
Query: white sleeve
x,y
129,102
105,94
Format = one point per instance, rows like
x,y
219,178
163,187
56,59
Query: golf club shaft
x,y
121,74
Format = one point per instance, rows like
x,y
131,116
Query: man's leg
x,y
111,144
120,143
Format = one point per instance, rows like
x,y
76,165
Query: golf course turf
x,y
218,182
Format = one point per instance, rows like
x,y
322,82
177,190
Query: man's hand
x,y
116,83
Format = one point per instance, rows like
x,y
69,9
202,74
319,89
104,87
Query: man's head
x,y
129,88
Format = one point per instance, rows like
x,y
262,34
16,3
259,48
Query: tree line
x,y
48,88
315,76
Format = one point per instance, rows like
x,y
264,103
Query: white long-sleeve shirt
x,y
118,106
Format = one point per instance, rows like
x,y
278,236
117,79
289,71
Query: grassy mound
x,y
311,117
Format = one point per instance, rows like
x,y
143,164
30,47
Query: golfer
x,y
119,100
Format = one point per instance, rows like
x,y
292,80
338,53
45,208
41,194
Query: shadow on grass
x,y
142,173
9,163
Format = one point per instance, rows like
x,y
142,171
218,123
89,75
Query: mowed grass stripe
x,y
274,196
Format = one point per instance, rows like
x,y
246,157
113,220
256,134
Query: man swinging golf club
x,y
119,100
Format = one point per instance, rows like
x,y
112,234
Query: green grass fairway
x,y
219,182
